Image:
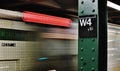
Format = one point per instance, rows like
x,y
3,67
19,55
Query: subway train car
x,y
113,47
60,49
28,47
17,46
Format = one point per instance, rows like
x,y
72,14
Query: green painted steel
x,y
88,50
88,47
88,54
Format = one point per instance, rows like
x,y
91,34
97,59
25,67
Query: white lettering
x,y
89,22
85,22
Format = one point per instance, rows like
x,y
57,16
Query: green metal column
x,y
92,51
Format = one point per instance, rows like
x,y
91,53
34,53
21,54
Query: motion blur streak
x,y
113,47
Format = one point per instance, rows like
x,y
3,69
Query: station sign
x,y
88,26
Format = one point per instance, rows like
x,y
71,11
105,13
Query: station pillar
x,y
92,42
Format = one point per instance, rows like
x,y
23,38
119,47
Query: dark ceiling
x,y
62,8
115,1
114,15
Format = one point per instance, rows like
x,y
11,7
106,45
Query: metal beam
x,y
92,50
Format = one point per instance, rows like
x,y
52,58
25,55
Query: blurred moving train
x,y
113,47
28,47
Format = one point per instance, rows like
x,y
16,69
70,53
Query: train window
x,y
18,35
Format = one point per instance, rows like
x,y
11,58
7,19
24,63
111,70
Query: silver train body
x,y
113,47
22,48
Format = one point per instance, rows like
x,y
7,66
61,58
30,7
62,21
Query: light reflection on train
x,y
31,47
113,47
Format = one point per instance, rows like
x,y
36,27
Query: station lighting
x,y
113,5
